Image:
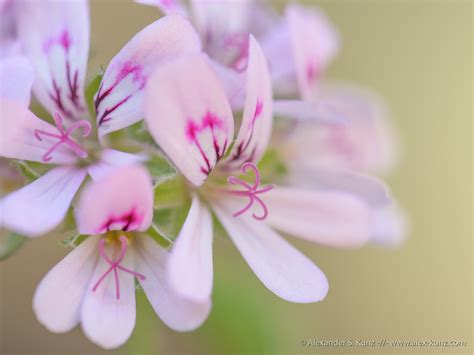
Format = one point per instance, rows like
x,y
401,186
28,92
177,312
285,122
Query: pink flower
x,y
339,156
190,117
298,47
94,285
57,46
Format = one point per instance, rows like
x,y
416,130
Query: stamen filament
x,y
251,191
115,265
64,137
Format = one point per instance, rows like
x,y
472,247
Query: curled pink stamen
x,y
115,265
251,191
64,137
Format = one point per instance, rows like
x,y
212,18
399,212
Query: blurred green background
x,y
418,55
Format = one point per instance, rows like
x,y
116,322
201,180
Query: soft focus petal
x,y
166,6
282,268
40,206
190,263
390,226
55,37
106,320
119,101
328,217
58,298
16,79
366,142
121,200
176,312
194,126
370,189
18,139
111,159
315,42
256,125
306,111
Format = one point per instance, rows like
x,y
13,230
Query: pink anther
x,y
64,137
115,265
251,191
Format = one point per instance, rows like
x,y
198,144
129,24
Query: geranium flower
x,y
188,99
364,144
55,38
298,48
94,284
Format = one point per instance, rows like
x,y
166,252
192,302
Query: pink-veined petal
x,y
58,297
190,263
176,312
315,42
16,79
193,126
166,6
121,200
328,217
390,226
119,101
106,320
55,37
19,141
111,159
256,125
370,189
306,111
41,206
282,268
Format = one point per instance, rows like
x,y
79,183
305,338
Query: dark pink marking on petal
x,y
312,72
105,115
128,221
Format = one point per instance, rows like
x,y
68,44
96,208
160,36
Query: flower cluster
x,y
218,109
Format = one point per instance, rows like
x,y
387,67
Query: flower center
x,y
115,265
64,137
251,191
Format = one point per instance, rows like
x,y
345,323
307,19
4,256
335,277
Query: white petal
x,y
256,126
58,297
18,140
166,6
16,78
55,37
370,189
327,217
106,320
306,111
283,269
41,206
390,226
190,263
193,127
119,101
175,311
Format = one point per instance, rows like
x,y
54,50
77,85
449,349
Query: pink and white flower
x,y
94,284
195,128
55,39
340,156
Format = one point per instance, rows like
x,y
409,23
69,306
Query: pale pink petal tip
x,y
390,226
102,208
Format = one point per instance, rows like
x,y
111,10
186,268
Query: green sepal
x,y
26,170
272,167
10,242
92,89
74,240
